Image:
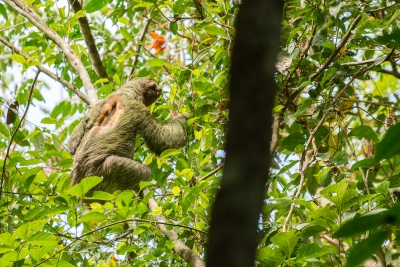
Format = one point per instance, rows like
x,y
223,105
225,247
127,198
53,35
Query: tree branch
x,y
390,72
356,63
238,205
139,47
48,72
179,247
3,176
338,48
76,63
89,40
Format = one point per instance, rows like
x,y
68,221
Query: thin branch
x,y
311,137
48,72
199,8
13,26
89,40
382,8
139,47
277,120
15,132
390,72
335,242
338,48
389,104
212,172
179,247
356,63
76,63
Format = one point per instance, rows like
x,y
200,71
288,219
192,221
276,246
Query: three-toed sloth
x,y
103,142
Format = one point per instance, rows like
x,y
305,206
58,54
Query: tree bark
x,y
236,212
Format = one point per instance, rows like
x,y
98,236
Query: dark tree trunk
x,y
236,212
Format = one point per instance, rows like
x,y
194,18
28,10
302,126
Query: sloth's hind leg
x,y
123,174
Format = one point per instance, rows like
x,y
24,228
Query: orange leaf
x,y
157,44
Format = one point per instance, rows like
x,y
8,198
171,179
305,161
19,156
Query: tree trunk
x,y
236,212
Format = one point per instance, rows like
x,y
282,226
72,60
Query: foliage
x,y
335,155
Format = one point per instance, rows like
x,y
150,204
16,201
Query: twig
x,y
3,176
312,134
89,40
335,242
13,26
394,73
212,172
338,48
304,52
179,247
277,120
139,47
389,104
76,63
356,63
48,72
382,8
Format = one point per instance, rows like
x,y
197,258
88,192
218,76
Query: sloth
x,y
103,142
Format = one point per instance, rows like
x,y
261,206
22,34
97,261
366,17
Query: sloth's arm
x,y
161,137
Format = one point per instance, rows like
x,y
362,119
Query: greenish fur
x,y
108,152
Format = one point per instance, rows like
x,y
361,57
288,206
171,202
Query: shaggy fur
x,y
103,143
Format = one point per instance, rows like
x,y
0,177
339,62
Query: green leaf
x,y
18,58
267,254
3,11
311,180
368,222
287,167
124,199
390,145
341,158
123,20
126,34
35,132
392,38
38,141
100,195
297,201
206,139
94,5
48,120
103,80
57,262
324,177
44,239
145,184
365,163
364,131
286,241
155,62
312,251
169,152
214,30
56,142
84,186
173,27
92,217
293,140
303,108
364,249
4,130
176,191
191,195
26,230
336,192
277,108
